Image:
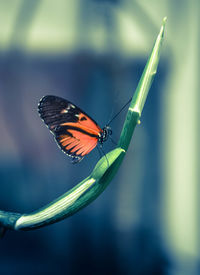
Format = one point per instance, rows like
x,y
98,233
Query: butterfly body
x,y
104,135
76,133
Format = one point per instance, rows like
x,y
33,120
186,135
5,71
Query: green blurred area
x,y
67,26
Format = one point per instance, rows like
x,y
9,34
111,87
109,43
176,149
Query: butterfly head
x,y
106,132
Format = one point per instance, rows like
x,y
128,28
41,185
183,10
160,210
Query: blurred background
x,y
92,53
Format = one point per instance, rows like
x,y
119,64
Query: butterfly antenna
x,y
120,111
111,115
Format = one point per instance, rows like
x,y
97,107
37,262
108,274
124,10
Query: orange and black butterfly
x,y
76,133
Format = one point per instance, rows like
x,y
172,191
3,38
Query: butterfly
x,y
75,132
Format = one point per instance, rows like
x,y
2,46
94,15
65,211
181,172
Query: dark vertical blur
x,y
92,53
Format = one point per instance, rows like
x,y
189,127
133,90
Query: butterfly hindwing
x,y
75,132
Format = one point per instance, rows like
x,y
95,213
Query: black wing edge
x,y
50,110
54,104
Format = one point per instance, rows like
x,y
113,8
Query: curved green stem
x,y
91,187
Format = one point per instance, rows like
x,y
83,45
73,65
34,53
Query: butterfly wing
x,y
75,132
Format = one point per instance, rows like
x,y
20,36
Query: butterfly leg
x,y
113,140
100,153
101,147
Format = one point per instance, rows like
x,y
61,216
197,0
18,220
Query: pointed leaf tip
x,y
164,20
163,27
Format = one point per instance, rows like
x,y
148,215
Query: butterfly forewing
x,y
75,132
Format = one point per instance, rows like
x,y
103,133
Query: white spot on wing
x,y
70,106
